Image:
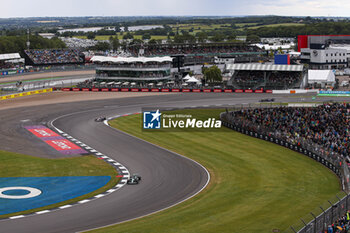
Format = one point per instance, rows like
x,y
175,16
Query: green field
x,y
277,25
19,165
255,186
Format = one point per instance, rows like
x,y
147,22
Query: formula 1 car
x,y
100,119
267,100
134,179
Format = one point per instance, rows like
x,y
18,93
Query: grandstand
x,y
11,63
139,69
200,53
273,77
39,57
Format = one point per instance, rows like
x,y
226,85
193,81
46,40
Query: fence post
x,y
303,222
332,210
314,221
346,200
293,230
324,225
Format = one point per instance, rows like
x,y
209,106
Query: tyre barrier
x,y
122,89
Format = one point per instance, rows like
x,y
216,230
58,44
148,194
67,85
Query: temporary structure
x,y
192,80
187,77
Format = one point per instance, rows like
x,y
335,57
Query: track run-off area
x,y
167,177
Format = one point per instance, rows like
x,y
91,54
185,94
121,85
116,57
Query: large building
x,y
325,52
267,76
136,69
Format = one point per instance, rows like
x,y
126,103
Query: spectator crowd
x,y
341,225
54,56
188,49
274,80
326,125
323,129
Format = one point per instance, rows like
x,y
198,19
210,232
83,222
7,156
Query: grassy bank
x,y
256,186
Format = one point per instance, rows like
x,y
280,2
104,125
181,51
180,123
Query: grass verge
x,y
255,186
19,165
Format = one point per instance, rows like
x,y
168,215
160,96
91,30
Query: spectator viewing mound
x,y
53,57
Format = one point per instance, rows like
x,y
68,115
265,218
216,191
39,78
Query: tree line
x,y
15,44
322,28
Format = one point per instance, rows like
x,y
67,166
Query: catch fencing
x,y
319,219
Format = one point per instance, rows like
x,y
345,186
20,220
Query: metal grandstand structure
x,y
267,76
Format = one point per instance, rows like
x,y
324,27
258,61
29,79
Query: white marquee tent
x,y
192,80
323,77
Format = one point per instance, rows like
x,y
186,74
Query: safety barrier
x,y
12,96
194,90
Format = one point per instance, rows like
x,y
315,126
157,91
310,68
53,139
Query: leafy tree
x,y
114,42
231,36
202,36
218,37
212,74
117,28
128,36
90,35
136,41
152,41
253,38
102,46
146,37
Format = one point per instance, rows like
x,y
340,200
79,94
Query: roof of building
x,y
264,67
321,76
9,56
131,59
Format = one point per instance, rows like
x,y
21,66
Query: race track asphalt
x,y
167,178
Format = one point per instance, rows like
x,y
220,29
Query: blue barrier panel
x,y
25,193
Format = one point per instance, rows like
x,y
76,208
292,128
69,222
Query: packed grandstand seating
x,y
189,49
54,56
274,80
326,126
7,65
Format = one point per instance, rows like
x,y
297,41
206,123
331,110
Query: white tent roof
x,y
321,76
187,77
131,59
9,56
264,67
192,80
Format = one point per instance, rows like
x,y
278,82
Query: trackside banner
x,y
171,119
334,93
12,96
